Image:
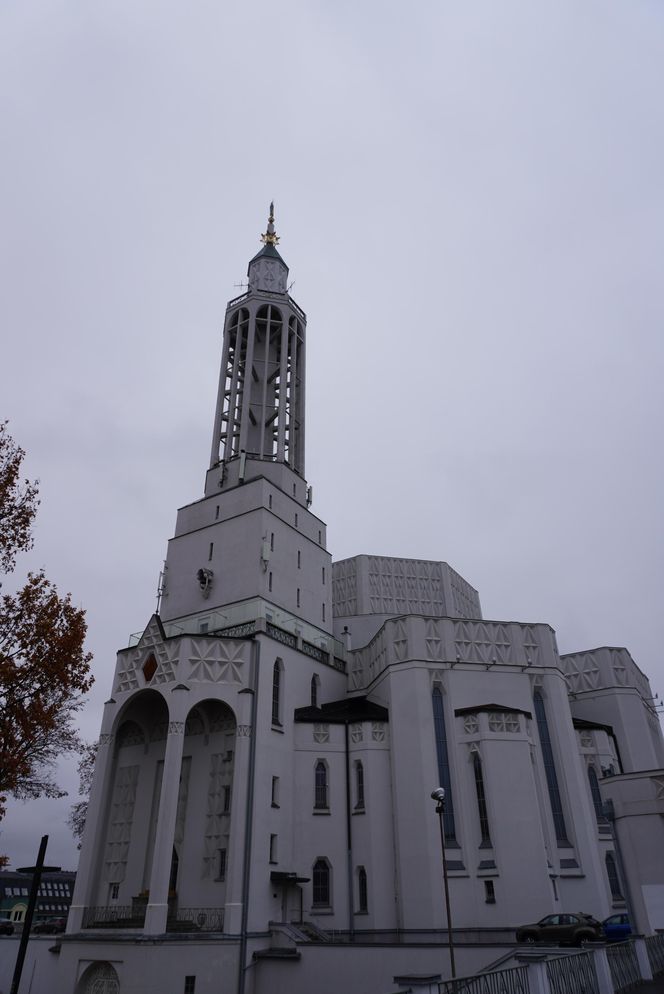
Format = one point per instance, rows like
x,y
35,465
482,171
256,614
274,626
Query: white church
x,y
261,817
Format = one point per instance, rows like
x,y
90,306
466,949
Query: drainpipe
x,y
349,838
248,835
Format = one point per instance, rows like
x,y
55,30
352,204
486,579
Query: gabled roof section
x,y
339,712
491,709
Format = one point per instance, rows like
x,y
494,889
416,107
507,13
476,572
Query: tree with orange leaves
x,y
44,669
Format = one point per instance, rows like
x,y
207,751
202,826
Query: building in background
x,y
261,814
53,900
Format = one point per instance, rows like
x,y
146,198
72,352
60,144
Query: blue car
x,y
617,928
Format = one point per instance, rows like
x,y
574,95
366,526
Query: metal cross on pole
x,y
36,872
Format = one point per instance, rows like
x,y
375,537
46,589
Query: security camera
x,y
438,794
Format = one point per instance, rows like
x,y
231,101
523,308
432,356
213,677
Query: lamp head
x,y
438,794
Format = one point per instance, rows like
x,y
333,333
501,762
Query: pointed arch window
x,y
277,681
321,798
596,795
443,763
362,891
550,770
614,879
481,802
321,884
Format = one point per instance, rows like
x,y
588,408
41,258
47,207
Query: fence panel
x,y
573,974
513,981
624,966
655,947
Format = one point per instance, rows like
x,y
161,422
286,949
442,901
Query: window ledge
x,y
322,911
321,811
278,728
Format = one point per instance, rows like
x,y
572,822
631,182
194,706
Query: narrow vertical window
x,y
481,802
221,864
269,581
273,849
216,513
271,541
299,559
210,551
612,874
276,693
115,892
298,596
315,680
275,792
443,763
296,520
489,892
320,537
321,884
362,891
320,786
359,786
323,612
190,985
295,490
550,770
323,574
269,501
596,796
227,799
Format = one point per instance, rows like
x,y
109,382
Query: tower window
x,y
211,550
323,611
216,513
299,559
296,520
271,541
481,801
550,770
276,693
489,892
315,682
614,880
320,786
443,763
323,574
359,786
362,891
269,582
273,849
321,884
269,501
295,490
221,864
227,799
320,537
298,596
275,792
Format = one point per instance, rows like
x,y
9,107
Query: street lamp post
x,y
438,795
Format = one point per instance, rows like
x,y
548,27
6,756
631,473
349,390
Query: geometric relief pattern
x,y
216,820
344,588
482,642
152,652
506,722
471,724
582,672
530,644
464,597
119,830
400,639
405,586
378,731
321,733
432,640
102,979
658,783
215,661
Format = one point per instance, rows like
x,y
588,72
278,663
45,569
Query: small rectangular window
x,y
227,799
269,501
221,866
489,892
299,559
269,582
296,520
216,513
298,596
272,542
320,537
273,849
211,550
115,891
323,574
323,612
295,490
275,792
203,627
190,985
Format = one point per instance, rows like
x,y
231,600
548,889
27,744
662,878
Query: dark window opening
x,y
550,770
614,879
321,884
481,801
443,763
489,892
276,693
320,786
359,786
362,890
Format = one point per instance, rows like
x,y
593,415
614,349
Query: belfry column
x,y
157,910
239,836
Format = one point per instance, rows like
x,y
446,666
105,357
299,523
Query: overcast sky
x,y
470,198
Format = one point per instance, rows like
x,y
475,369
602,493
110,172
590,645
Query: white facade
x,y
271,742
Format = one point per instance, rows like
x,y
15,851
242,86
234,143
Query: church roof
x,y
269,252
339,712
491,709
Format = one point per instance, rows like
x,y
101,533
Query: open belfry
x,y
261,816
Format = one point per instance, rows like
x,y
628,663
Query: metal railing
x,y
574,974
512,981
655,947
199,920
624,966
113,916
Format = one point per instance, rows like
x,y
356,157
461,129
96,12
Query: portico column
x,y
95,824
157,910
238,840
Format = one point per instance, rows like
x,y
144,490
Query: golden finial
x,y
270,237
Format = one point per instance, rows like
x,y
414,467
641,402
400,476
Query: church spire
x,y
270,237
